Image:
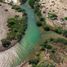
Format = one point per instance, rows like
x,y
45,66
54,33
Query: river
x,y
18,53
32,33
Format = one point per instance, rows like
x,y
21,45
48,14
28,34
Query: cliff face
x,y
15,2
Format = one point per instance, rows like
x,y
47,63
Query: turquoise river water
x,y
32,36
19,53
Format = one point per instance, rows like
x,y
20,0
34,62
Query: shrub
x,y
6,43
45,64
17,27
37,10
61,40
39,24
18,8
52,16
31,3
41,19
53,50
46,28
65,33
34,61
65,18
59,30
23,1
51,39
46,45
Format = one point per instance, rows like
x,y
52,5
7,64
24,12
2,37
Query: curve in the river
x,y
32,33
18,53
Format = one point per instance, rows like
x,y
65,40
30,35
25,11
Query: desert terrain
x,y
58,7
5,13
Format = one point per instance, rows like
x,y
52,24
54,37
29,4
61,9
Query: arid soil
x,y
5,13
59,7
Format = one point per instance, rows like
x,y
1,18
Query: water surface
x,y
32,35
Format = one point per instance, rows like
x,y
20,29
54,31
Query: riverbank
x,y
12,27
21,51
53,47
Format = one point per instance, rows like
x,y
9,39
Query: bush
x,y
65,33
23,1
46,45
39,24
61,40
17,27
59,30
45,64
31,3
52,16
47,28
6,43
65,18
37,9
34,61
18,8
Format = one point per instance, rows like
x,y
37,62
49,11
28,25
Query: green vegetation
x,y
52,16
37,9
23,1
31,3
46,45
59,30
50,37
1,0
54,37
61,40
65,18
47,28
6,43
45,64
17,8
40,19
34,61
65,33
41,22
36,6
17,27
